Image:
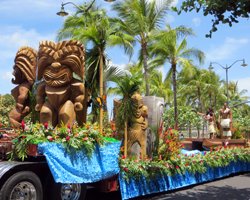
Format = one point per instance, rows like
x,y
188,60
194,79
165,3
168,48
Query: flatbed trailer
x,y
32,179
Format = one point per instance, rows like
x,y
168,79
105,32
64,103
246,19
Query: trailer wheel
x,y
23,185
69,191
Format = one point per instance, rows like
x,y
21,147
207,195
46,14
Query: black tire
x,y
55,191
25,183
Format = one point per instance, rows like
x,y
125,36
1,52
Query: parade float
x,y
58,156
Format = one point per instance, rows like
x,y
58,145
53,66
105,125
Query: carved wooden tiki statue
x,y
60,94
139,125
25,75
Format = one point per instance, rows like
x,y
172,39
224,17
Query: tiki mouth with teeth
x,y
57,78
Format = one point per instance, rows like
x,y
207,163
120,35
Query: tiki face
x,y
58,61
19,77
24,69
57,75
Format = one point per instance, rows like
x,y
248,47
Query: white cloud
x,y
174,3
13,37
196,21
244,84
227,49
23,6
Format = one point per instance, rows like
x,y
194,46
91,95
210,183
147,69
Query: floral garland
x,y
199,163
72,137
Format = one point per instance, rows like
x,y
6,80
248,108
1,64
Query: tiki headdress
x,y
66,53
25,65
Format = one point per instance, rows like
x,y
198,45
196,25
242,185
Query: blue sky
x,y
26,22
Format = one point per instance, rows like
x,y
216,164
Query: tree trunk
x,y
175,95
125,138
101,89
201,110
189,130
145,66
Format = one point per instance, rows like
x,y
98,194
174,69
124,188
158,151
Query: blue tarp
x,y
134,188
76,167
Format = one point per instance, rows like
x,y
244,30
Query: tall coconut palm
x,y
140,18
97,32
171,45
160,87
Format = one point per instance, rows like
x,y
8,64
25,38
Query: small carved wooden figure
x,y
25,75
60,94
139,125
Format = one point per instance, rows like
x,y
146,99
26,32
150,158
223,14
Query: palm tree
x,y
126,87
175,51
160,87
140,18
235,95
97,31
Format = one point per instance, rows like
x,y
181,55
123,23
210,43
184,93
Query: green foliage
x,y
186,118
140,18
7,103
126,87
150,169
241,124
73,138
169,144
223,11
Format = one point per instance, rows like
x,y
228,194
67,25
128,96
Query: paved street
x,y
231,188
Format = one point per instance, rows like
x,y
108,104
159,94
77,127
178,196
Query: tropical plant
x,y
225,12
171,46
169,145
7,103
126,87
75,137
187,119
192,163
140,18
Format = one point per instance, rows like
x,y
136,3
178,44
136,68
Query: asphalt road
x,y
230,188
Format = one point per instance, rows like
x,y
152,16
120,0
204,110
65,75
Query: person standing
x,y
209,116
225,119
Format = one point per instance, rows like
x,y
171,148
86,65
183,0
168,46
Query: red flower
x,y
67,138
125,169
177,167
186,164
50,138
123,157
68,126
23,125
46,125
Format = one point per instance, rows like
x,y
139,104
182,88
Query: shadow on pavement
x,y
93,194
209,193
